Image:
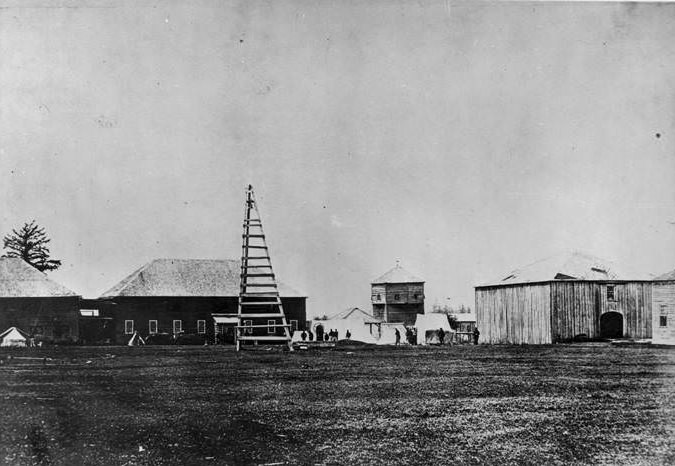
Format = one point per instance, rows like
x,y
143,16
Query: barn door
x,y
611,325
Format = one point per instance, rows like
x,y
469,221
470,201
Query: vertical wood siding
x,y
514,314
577,307
663,304
559,311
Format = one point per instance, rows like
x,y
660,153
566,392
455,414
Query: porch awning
x,y
225,320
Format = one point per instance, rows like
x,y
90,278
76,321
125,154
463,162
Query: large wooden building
x,y
397,296
563,298
37,305
663,305
186,297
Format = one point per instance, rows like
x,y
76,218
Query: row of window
x,y
201,326
152,326
397,297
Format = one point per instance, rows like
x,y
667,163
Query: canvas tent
x,y
428,326
136,340
362,326
14,337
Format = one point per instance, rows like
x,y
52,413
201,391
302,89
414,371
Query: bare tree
x,y
30,244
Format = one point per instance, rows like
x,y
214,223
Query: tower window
x,y
663,321
610,292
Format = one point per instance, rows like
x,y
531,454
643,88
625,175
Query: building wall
x,y
519,314
578,307
663,305
189,310
47,319
398,302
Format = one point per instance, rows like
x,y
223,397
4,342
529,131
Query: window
x,y
201,326
663,321
270,326
397,297
249,330
177,326
152,326
128,327
294,325
610,292
89,312
416,296
378,297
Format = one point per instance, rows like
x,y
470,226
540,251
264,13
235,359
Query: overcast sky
x,y
463,139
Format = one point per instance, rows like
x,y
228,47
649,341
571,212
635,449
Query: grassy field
x,y
563,404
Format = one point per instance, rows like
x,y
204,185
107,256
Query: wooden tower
x,y
260,312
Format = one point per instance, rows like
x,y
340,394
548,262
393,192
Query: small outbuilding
x,y
563,298
14,337
663,305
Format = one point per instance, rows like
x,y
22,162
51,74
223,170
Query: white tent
x,y
136,340
14,337
428,326
362,326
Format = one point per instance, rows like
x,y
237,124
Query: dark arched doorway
x,y
611,325
319,332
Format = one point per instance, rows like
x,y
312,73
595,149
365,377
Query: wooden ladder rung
x,y
260,315
252,236
257,294
250,246
254,257
260,303
263,326
260,285
263,338
271,275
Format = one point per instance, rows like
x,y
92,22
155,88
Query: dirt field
x,y
564,404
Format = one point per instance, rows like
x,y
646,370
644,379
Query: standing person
x,y
336,335
441,335
303,335
348,334
310,335
476,334
398,337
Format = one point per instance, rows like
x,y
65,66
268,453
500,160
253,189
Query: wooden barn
x,y
663,304
197,297
397,296
563,298
35,304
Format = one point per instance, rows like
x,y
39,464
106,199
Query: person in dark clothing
x,y
303,335
310,335
398,337
326,336
348,334
476,334
441,335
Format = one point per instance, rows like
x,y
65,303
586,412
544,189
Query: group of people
x,y
331,335
410,335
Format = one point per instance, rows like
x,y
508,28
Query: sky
x,y
463,139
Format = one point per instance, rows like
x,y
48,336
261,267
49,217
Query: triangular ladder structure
x,y
261,314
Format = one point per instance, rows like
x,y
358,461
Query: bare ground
x,y
563,404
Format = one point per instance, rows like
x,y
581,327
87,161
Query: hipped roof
x,y
18,279
397,275
565,266
187,277
355,313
